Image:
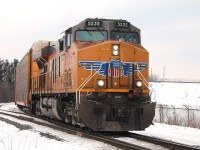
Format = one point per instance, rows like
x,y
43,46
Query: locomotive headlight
x,y
115,50
115,47
100,83
139,83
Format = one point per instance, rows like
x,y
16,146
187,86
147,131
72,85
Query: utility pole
x,y
164,73
151,75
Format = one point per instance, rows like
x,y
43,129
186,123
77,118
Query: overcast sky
x,y
170,28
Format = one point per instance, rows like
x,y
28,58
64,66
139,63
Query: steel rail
x,y
158,141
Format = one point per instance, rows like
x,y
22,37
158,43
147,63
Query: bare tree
x,y
7,80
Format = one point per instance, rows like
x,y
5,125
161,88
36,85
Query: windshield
x,y
91,35
125,36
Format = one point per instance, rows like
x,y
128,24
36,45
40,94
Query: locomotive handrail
x,y
138,71
40,74
87,80
145,82
36,85
81,87
154,93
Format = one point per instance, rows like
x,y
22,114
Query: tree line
x,y
7,80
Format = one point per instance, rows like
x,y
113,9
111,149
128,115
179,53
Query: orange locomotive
x,y
95,76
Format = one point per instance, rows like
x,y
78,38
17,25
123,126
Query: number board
x,y
93,23
122,24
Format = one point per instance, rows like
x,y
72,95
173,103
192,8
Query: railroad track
x,y
106,137
157,141
166,143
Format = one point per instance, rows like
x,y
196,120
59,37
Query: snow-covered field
x,y
31,136
177,103
177,94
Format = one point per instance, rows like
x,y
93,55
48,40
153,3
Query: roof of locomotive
x,y
106,24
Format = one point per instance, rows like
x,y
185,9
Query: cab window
x,y
86,35
131,37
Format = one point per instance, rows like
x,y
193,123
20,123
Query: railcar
x,y
95,76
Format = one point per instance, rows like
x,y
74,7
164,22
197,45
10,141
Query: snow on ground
x,y
20,135
9,107
177,94
186,135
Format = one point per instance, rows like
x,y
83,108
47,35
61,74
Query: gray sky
x,y
170,28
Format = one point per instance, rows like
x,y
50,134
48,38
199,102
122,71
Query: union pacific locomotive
x,y
95,76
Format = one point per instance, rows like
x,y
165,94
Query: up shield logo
x,y
116,68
